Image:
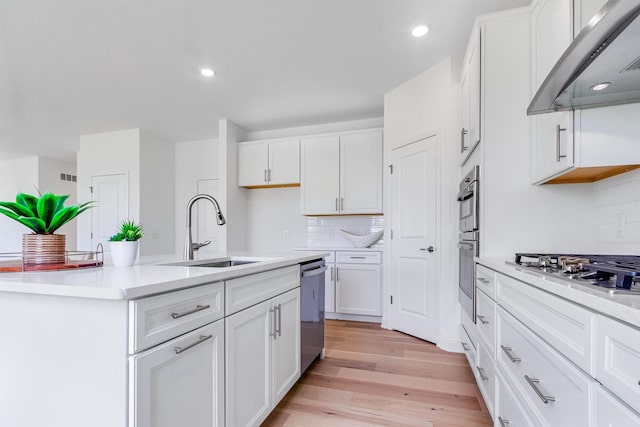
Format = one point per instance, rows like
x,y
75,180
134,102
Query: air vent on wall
x,y
68,177
634,66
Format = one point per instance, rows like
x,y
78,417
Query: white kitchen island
x,y
151,345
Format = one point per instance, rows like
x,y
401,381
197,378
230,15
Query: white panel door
x,y
252,164
181,382
284,162
205,225
248,362
361,173
358,289
552,134
286,343
413,267
320,175
111,192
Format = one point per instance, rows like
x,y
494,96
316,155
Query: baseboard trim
x,y
353,317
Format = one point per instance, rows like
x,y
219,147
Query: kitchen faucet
x,y
189,246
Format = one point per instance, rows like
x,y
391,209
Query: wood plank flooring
x,y
375,377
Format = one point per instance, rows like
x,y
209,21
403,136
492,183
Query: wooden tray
x,y
16,266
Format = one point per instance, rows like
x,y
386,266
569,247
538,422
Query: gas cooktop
x,y
615,274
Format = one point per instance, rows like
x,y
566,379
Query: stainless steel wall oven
x,y
468,242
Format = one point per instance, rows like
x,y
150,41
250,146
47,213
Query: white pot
x,y
124,254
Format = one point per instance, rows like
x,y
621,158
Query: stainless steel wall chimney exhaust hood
x,y
600,68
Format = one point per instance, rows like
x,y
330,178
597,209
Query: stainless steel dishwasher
x,y
311,312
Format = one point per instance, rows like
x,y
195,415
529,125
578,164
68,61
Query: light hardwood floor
x,y
371,376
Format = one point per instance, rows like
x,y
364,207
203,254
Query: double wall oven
x,y
468,242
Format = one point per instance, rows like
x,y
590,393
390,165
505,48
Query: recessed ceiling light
x,y
207,72
420,31
601,86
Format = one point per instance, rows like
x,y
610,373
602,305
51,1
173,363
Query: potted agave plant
x,y
43,215
124,244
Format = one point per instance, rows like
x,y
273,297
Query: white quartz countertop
x,y
344,248
619,306
148,277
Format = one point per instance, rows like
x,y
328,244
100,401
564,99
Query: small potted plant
x,y
124,244
43,215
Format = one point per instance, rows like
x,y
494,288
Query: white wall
x,y
16,176
157,193
49,181
194,161
233,235
616,214
430,104
345,126
107,154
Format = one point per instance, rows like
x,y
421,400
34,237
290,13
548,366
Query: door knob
x,y
431,249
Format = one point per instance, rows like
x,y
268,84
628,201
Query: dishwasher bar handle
x,y
314,272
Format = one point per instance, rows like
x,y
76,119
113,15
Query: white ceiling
x,y
69,68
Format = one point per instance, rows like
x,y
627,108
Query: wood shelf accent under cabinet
x,y
591,174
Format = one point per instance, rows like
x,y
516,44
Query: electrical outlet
x,y
620,225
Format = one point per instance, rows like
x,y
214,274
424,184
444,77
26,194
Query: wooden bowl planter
x,y
38,249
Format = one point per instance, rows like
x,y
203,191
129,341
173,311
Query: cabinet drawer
x,y
618,359
470,328
469,350
250,290
555,390
486,280
509,411
566,326
485,371
358,257
612,412
157,319
486,320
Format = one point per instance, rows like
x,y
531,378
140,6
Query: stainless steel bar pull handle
x,y
482,319
465,346
265,175
332,278
201,339
274,334
463,133
503,422
186,313
483,377
337,274
269,175
341,203
533,382
507,351
357,257
483,281
337,205
279,330
558,130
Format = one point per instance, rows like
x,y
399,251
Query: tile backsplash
x,y
324,231
616,214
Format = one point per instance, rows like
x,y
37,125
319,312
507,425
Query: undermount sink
x,y
222,264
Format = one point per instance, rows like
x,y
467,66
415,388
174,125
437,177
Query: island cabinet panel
x,y
249,290
262,357
248,358
181,382
159,318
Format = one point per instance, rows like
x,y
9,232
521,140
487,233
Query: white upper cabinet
x,y
265,164
361,173
585,145
470,133
320,164
342,174
551,134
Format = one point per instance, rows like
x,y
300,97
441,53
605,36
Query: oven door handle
x,y
467,246
464,195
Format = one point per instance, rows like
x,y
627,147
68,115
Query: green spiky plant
x,y
43,215
129,232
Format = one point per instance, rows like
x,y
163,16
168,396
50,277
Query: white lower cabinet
x,y
180,382
330,289
262,357
611,412
358,289
509,412
486,375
